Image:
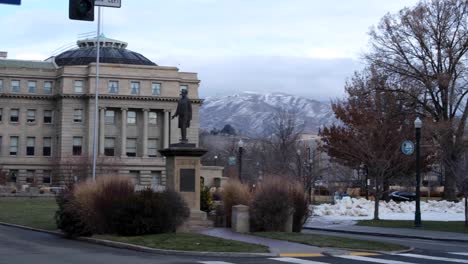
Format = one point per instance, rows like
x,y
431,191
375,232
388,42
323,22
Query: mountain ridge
x,y
249,112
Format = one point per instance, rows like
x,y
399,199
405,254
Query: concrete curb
x,y
121,245
385,234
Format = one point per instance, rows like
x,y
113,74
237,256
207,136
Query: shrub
x,y
69,217
105,197
234,193
148,212
271,205
206,199
300,203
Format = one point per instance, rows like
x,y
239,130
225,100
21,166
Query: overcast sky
x,y
301,47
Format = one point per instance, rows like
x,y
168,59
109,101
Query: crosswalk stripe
x,y
435,258
459,253
214,262
298,261
375,260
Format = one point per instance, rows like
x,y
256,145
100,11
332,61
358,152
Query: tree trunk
x,y
377,198
376,206
449,184
386,188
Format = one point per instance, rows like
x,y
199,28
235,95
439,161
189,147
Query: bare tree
x,y
282,141
425,49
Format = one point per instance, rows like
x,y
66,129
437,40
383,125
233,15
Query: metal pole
x,y
417,215
96,100
240,164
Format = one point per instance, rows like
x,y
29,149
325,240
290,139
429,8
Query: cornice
x,y
128,97
28,96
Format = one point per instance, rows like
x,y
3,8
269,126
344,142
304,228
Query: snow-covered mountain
x,y
250,112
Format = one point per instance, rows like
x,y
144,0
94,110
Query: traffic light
x,y
81,10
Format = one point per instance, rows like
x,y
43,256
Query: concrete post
x,y
240,219
288,226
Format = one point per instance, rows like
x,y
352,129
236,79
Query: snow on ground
x,y
358,209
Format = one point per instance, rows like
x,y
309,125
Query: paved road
x,y
423,244
22,246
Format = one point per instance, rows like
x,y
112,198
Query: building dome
x,y
111,51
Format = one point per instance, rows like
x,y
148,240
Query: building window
x,y
77,143
47,117
13,175
32,86
13,146
31,116
156,88
30,176
46,177
109,146
47,147
135,87
48,87
153,118
78,86
15,86
14,115
1,114
152,147
1,86
30,146
78,116
131,117
113,87
183,87
131,147
110,116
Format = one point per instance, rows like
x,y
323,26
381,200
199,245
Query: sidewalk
x,y
276,246
350,227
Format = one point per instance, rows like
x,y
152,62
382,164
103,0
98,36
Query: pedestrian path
x,y
275,246
406,258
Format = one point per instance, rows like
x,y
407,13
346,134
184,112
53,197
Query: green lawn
x,y
331,241
189,242
37,212
453,226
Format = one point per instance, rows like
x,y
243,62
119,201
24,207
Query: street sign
x,y
11,2
407,147
232,160
108,3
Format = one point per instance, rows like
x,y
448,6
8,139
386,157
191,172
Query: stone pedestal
x,y
183,176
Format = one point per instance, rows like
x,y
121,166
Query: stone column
x,y
145,133
102,125
166,129
123,134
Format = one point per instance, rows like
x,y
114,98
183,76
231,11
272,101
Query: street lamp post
x,y
241,146
417,214
215,160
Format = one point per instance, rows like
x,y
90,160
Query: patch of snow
x,y
359,209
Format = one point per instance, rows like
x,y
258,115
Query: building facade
x,y
47,114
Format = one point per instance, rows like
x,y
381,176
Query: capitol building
x,y
47,114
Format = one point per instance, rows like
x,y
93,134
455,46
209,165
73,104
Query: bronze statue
x,y
184,112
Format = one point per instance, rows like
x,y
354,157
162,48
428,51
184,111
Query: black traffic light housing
x,y
81,10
